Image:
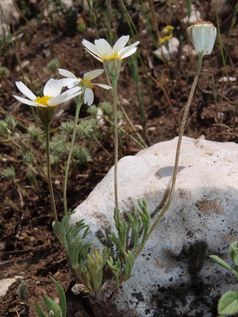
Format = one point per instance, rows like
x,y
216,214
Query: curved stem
x,y
52,198
78,107
168,198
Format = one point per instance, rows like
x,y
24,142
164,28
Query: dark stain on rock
x,y
138,296
207,206
187,299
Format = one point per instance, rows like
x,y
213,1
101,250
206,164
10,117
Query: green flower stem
x,y
114,94
78,107
52,198
168,198
112,69
168,195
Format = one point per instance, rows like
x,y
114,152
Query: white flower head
x,y
103,51
85,83
203,36
52,95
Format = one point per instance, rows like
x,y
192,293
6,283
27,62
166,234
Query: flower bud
x,y
203,36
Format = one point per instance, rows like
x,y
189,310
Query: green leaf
x,y
62,297
221,262
51,305
40,311
228,303
233,250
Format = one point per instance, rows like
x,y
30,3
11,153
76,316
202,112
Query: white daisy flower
x,y
85,83
103,51
203,36
52,95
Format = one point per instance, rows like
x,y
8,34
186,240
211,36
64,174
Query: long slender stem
x,y
114,94
52,197
78,107
168,198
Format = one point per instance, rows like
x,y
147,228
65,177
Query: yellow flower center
x,y
43,100
165,39
167,32
111,57
86,83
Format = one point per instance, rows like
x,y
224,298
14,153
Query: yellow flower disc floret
x,y
86,83
43,100
111,57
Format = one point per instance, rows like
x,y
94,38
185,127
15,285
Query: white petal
x,y
57,100
128,53
53,87
67,95
66,73
25,90
103,47
90,47
25,101
73,95
88,96
120,43
72,91
128,48
63,97
103,86
93,74
95,56
70,82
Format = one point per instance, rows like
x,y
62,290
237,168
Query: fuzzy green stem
x,y
168,198
52,198
114,94
78,107
112,70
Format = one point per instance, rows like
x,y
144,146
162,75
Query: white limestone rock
x,y
6,283
174,276
8,13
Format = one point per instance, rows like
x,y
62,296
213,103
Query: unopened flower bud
x,y
203,36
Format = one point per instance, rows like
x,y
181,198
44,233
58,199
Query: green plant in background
x,y
57,12
134,67
53,65
93,14
51,308
228,302
134,62
4,72
8,173
7,126
188,6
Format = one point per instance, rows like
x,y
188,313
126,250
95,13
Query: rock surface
x,y
174,276
6,283
8,12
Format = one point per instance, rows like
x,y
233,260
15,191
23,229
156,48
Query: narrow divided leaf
x,y
228,303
